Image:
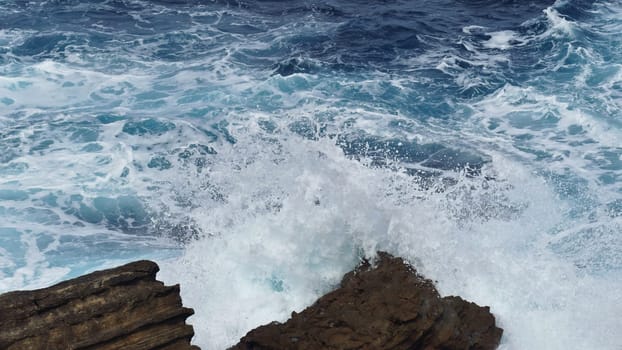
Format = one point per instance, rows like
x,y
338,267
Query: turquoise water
x,y
257,149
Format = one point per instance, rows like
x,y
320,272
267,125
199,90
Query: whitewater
x,y
257,150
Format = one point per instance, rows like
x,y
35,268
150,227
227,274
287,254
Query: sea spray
x,y
258,151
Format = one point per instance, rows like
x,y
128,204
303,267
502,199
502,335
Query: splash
x,y
257,153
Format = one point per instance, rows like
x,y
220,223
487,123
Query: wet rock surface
x,y
119,308
386,305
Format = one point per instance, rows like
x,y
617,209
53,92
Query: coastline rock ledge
x,y
380,306
119,308
386,305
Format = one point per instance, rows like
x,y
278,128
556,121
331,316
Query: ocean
x,y
257,150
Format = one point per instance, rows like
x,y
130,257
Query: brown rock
x,y
120,308
387,306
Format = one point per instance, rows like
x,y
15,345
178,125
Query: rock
x,y
119,308
385,306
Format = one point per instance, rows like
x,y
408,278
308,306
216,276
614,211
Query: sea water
x,y
257,150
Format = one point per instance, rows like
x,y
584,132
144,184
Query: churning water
x,y
257,149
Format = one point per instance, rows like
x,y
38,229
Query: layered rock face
x,y
381,306
120,308
385,306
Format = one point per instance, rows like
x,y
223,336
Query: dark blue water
x,y
257,149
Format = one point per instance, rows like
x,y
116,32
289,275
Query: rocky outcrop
x,y
120,308
385,306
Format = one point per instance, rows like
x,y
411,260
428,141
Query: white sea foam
x,y
541,125
293,223
559,25
503,40
36,272
280,218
